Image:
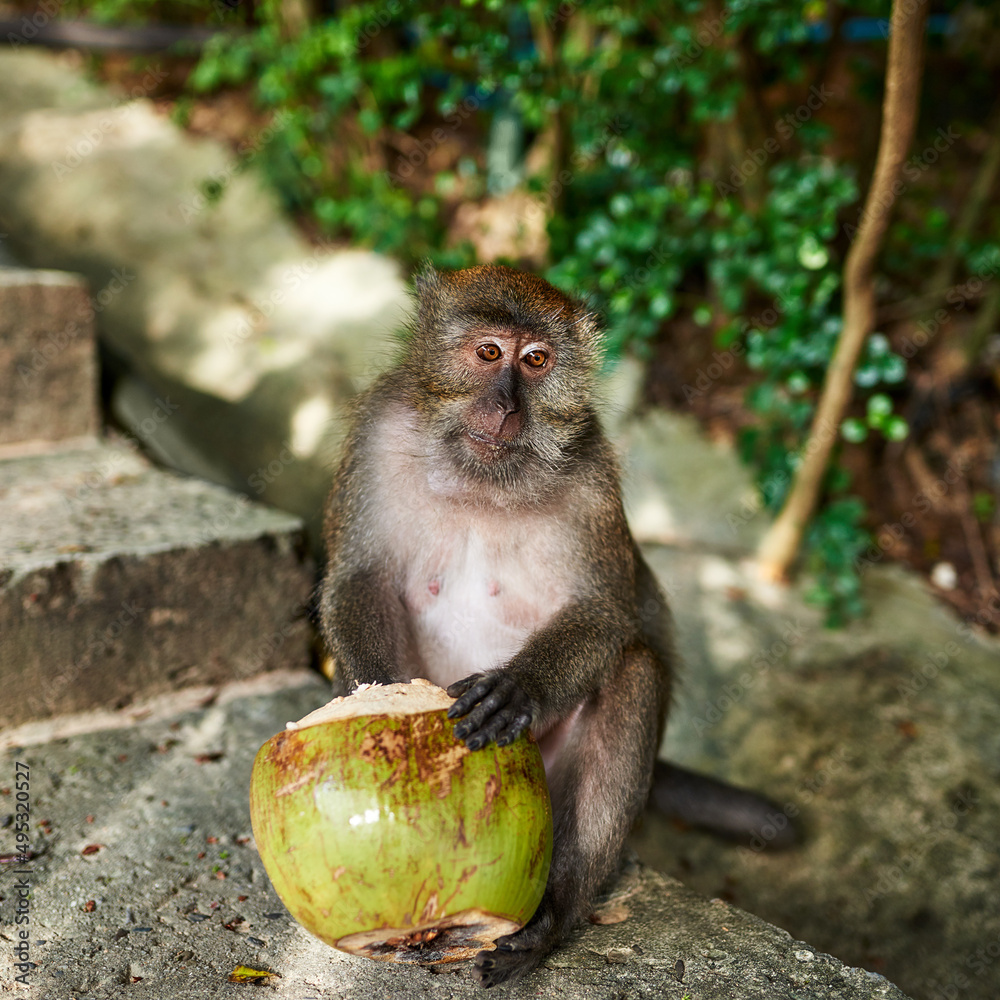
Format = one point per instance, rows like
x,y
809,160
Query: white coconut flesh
x,y
380,699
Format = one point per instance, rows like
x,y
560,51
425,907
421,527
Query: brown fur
x,y
476,537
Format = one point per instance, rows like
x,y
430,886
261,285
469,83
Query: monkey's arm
x,y
561,664
361,615
363,624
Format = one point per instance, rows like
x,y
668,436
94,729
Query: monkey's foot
x,y
516,954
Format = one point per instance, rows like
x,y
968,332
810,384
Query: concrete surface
x,y
880,742
48,365
118,580
147,884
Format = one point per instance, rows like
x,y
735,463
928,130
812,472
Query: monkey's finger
x,y
472,697
489,730
460,687
512,731
477,719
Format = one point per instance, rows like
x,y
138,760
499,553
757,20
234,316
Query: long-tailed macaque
x,y
476,538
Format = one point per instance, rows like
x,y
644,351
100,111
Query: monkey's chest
x,y
474,600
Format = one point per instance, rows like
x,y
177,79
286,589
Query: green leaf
x,y
895,429
878,408
853,430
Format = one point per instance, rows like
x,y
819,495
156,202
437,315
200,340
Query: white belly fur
x,y
477,579
474,605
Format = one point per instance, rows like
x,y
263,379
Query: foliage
x,y
634,108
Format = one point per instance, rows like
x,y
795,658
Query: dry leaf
x,y
612,913
244,974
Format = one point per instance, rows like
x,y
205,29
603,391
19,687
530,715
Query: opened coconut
x,y
386,837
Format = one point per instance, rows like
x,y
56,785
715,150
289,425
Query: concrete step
x,y
48,369
119,580
147,883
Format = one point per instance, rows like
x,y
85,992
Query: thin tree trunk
x,y
780,545
294,17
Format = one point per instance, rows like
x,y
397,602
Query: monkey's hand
x,y
494,708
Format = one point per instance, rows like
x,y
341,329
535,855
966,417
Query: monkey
x,y
476,538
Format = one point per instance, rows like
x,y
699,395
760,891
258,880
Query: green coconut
x,y
386,837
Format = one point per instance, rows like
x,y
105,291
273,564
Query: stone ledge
x,y
118,580
177,895
48,369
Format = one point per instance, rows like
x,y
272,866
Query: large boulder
x,y
256,337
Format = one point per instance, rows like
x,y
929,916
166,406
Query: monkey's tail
x,y
727,811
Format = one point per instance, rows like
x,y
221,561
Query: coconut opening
x,y
455,938
380,699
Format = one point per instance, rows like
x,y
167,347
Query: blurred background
x,y
696,169
247,187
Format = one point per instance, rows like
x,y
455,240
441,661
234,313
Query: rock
x,y
181,895
118,580
681,489
48,373
258,338
878,741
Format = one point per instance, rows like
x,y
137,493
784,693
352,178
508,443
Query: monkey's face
x,y
488,397
503,369
505,365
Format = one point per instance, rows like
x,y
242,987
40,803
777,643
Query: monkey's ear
x,y
427,281
590,330
428,289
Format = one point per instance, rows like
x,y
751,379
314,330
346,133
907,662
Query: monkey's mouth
x,y
489,440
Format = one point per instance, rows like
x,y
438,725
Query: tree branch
x,y
899,117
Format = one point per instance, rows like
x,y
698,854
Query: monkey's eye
x,y
488,352
535,359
